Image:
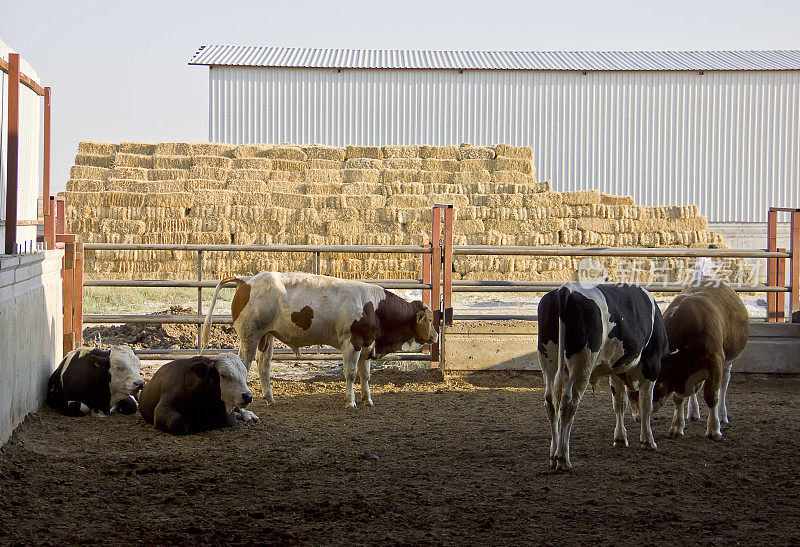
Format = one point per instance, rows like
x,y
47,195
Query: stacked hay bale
x,y
208,193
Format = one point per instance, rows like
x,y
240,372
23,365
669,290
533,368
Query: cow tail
x,y
563,295
208,320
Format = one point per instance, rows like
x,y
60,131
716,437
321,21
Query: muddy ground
x,y
434,462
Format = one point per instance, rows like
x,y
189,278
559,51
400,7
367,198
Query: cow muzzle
x,y
247,398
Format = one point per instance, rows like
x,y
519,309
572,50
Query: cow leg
x,y
350,357
693,412
678,423
619,397
573,393
264,362
723,394
548,367
646,409
363,375
711,391
634,404
169,420
76,408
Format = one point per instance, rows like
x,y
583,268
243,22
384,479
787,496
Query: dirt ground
x,y
462,461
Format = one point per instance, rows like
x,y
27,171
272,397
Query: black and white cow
x,y
589,331
96,381
196,394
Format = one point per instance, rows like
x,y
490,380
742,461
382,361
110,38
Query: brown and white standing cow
x,y
364,321
707,327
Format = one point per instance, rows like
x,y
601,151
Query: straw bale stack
x,y
212,149
146,148
322,152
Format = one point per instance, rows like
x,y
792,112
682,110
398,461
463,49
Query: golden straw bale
x,y
363,163
95,160
469,152
512,164
403,163
649,239
457,200
209,238
173,149
248,174
516,152
445,165
399,175
356,202
580,197
204,184
649,225
403,151
339,228
92,199
84,185
264,164
250,151
405,201
99,148
280,164
688,224
133,160
471,177
514,177
601,225
468,227
439,152
207,173
295,201
436,177
122,199
146,148
174,199
162,186
287,152
246,185
212,149
543,186
361,175
217,162
609,199
324,176
322,152
89,173
360,188
285,176
325,164
438,188
170,174
172,162
129,173
122,226
214,197
476,165
374,152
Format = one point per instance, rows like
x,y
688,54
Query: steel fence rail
x,y
210,284
615,251
371,249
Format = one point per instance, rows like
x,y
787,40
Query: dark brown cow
x,y
708,327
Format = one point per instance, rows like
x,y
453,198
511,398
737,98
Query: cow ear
x,y
421,316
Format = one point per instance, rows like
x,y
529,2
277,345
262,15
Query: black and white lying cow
x,y
589,331
96,381
196,394
299,309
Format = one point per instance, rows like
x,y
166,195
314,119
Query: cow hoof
x,y
693,417
350,405
553,463
270,400
725,420
247,416
714,436
649,446
369,402
621,443
563,466
675,432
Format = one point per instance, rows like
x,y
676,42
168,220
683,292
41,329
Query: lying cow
x,y
196,394
96,381
586,332
364,321
708,327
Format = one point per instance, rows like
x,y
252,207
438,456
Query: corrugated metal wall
x,y
30,152
726,141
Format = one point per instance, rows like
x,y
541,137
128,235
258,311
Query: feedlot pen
x,y
435,461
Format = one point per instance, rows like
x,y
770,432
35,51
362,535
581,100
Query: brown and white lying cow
x,y
707,327
364,321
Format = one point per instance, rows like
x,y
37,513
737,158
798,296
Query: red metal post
x,y
12,163
50,224
436,277
780,298
794,247
772,263
77,296
60,215
447,267
46,158
67,287
426,277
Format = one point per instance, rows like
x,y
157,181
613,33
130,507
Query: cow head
x,y
424,330
125,373
232,381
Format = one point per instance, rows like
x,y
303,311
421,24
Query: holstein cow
x,y
708,327
364,321
589,331
96,381
196,394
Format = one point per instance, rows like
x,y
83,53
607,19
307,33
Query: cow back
x,y
83,375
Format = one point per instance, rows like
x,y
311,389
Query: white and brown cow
x,y
707,327
364,321
96,381
590,331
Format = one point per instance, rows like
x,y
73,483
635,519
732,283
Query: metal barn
x,y
717,128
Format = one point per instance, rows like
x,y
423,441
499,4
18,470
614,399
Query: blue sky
x,y
118,71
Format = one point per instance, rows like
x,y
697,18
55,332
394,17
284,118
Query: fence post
x,y
426,276
199,299
12,149
436,272
67,287
780,298
60,215
77,293
46,158
50,223
794,248
772,263
448,266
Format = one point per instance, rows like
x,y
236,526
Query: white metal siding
x,y
30,153
726,141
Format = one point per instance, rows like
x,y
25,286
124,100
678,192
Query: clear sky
x,y
119,70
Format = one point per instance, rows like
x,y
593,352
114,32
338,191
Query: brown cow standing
x,y
708,327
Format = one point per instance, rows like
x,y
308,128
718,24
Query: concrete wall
x,y
31,327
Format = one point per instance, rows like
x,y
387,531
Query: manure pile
x,y
222,194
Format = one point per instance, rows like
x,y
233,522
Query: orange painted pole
x,y
436,277
447,267
794,247
50,223
780,300
772,263
67,283
77,296
12,150
46,158
426,277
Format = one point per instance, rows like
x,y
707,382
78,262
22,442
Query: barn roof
x,y
272,56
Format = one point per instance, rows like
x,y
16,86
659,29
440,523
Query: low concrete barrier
x,y
31,331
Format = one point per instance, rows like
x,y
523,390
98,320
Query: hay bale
x,y
95,160
322,152
191,185
355,202
436,177
512,177
97,148
171,162
403,151
245,151
248,174
262,164
145,148
361,175
215,162
133,160
85,185
246,185
87,172
388,176
360,188
208,173
469,152
407,201
363,163
324,176
403,163
171,174
439,152
513,164
294,166
580,197
179,200
609,199
373,152
515,152
325,164
129,173
471,177
444,165
286,152
212,149
173,149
